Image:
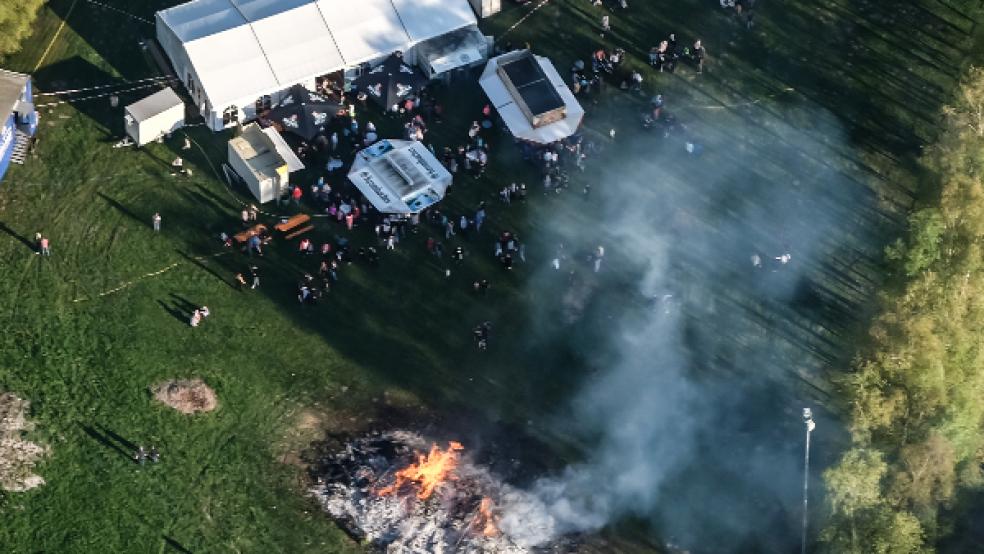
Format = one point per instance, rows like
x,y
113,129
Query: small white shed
x,y
159,114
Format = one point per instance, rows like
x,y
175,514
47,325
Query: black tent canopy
x,y
304,113
391,82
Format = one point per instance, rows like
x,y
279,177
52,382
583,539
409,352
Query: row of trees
x,y
16,17
917,397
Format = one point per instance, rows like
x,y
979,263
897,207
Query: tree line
x,y
916,396
16,18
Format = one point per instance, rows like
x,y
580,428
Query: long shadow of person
x,y
184,304
110,433
108,437
105,441
175,545
209,270
175,311
122,209
24,240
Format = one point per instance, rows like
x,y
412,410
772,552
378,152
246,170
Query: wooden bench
x,y
244,236
300,231
296,221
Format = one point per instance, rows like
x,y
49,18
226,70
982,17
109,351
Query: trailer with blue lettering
x,y
21,122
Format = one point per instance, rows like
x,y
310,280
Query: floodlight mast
x,y
810,426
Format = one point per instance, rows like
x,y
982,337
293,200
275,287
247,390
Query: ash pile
x,y
399,493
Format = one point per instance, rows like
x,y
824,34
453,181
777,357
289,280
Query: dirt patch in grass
x,y
188,396
17,455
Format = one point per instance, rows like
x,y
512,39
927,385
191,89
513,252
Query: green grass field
x,y
398,334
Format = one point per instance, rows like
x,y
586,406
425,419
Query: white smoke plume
x,y
691,419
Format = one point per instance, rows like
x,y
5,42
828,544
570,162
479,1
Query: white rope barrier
x,y
95,96
100,87
161,271
522,19
128,14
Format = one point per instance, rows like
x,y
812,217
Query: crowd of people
x,y
339,203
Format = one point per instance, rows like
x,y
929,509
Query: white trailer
x,y
485,8
159,114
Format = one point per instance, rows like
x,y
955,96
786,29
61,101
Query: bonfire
x,y
400,493
429,471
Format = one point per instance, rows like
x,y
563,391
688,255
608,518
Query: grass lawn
x,y
816,116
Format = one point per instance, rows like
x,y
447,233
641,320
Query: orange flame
x,y
485,515
430,471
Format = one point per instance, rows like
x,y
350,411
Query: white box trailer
x,y
485,8
159,114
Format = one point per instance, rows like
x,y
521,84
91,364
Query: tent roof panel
x,y
230,63
298,44
202,18
255,10
425,19
364,30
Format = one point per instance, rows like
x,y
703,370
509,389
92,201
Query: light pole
x,y
810,426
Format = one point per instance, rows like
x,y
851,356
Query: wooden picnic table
x,y
295,221
244,236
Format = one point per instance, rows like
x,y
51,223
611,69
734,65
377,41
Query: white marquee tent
x,y
518,122
229,53
399,176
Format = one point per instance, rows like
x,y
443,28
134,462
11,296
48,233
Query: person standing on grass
x,y
254,243
256,277
156,220
698,53
240,281
177,166
45,246
37,242
296,195
480,216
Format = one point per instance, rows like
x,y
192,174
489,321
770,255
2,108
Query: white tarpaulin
x,y
425,19
460,48
518,123
399,176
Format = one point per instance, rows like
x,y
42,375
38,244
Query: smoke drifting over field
x,y
691,420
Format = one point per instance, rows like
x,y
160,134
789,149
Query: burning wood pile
x,y
399,493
